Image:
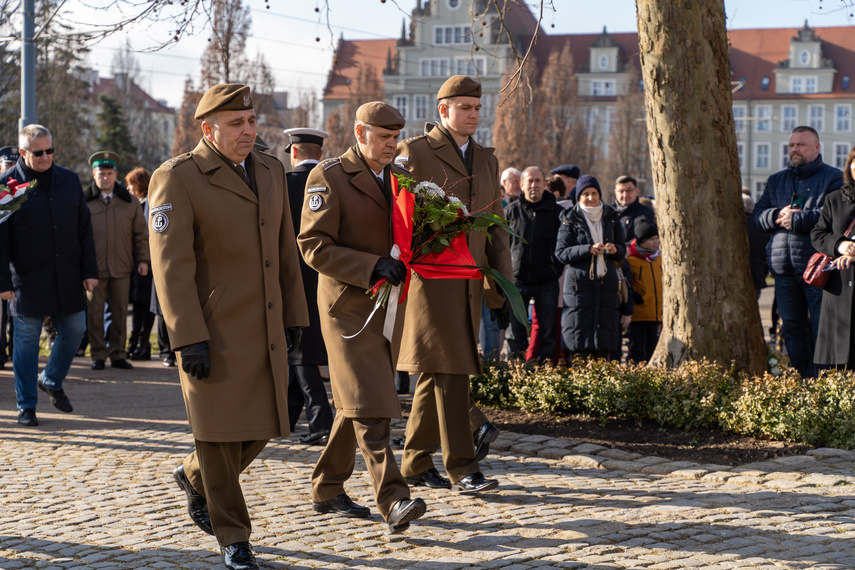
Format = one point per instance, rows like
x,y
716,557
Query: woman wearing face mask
x,y
589,241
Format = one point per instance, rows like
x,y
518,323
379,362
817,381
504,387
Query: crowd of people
x,y
259,271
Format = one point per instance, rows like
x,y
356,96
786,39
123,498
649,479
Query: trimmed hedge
x,y
816,411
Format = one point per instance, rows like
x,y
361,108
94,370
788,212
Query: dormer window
x,y
604,62
454,4
764,83
804,57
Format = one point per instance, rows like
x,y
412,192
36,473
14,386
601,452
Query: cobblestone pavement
x,y
94,490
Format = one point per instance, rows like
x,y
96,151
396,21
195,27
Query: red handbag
x,y
819,264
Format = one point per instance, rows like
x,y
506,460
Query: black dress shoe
x,y
430,478
474,483
97,365
239,556
399,442
403,512
58,398
197,505
485,435
318,438
27,417
121,363
168,359
343,505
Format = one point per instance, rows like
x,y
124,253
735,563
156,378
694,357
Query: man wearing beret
x,y
8,157
569,174
305,385
440,332
346,235
121,238
225,266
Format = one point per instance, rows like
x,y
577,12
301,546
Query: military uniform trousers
x,y
214,471
115,291
335,466
441,417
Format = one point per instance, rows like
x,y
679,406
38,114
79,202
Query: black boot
x,y
143,351
132,343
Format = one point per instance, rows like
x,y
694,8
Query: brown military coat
x,y
441,328
345,228
225,266
121,238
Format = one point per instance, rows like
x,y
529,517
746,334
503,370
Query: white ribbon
x,y
391,306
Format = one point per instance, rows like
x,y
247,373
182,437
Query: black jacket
x,y
312,349
591,317
534,260
46,247
628,216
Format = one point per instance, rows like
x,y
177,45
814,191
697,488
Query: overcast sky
x,y
285,33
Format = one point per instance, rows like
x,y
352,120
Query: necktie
x,y
107,199
242,172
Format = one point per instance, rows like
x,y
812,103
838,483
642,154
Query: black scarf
x,y
43,178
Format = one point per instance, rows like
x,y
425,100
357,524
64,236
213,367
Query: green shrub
x,y
696,395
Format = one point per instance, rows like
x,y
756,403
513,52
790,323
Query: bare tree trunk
x,y
710,309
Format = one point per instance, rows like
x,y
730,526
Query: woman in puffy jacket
x,y
590,240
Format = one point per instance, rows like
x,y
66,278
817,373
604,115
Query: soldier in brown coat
x,y
346,235
441,329
225,266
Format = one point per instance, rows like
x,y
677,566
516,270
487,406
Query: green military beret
x,y
224,97
104,159
459,86
380,114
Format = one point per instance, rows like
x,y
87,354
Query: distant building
x,y
780,78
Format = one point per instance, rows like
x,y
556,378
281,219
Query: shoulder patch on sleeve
x,y
314,189
329,162
402,159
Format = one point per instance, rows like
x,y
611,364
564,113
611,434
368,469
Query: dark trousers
x,y
545,297
643,336
162,336
142,322
799,306
214,471
305,386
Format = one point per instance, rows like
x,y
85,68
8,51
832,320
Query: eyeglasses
x,y
41,152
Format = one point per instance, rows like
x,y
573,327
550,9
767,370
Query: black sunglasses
x,y
41,152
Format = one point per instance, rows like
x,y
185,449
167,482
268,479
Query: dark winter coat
x,y
533,258
312,349
628,216
46,247
835,322
591,317
788,251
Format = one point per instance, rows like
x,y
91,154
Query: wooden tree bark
x,y
710,309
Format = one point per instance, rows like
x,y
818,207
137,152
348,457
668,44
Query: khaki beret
x,y
380,114
224,97
459,86
104,159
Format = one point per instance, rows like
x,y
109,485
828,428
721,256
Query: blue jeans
x,y
545,297
25,354
796,302
490,336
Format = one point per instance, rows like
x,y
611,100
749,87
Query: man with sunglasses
x,y
47,261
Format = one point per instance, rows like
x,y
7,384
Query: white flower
x,y
430,189
456,200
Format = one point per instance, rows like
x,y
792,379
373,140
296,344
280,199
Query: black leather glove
x,y
292,337
502,315
195,360
393,270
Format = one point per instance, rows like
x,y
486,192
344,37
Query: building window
x,y
816,114
789,118
764,83
433,67
470,66
611,120
761,156
452,35
810,84
454,4
738,116
803,84
740,148
785,155
759,188
421,105
843,118
486,106
401,104
796,85
603,88
844,83
591,121
764,118
841,151
804,57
